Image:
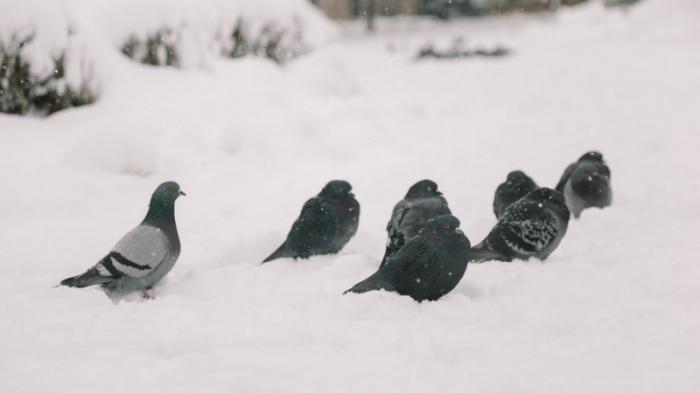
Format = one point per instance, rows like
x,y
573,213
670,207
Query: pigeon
x,y
428,266
144,255
325,225
422,202
516,186
531,227
586,183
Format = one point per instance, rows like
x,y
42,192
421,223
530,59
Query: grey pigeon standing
x,y
531,227
586,183
428,266
326,224
422,202
516,186
144,255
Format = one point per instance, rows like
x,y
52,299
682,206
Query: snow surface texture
x,y
614,309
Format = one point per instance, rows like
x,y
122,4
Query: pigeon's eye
x,y
446,226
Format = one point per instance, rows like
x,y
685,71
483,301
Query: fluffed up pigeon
x,y
428,266
516,186
144,255
326,224
531,227
422,202
586,183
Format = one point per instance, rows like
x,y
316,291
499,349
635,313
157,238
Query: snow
x,y
612,310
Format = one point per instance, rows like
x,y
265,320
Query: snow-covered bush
x,y
158,33
158,48
43,62
275,42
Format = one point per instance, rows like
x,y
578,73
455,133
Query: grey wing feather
x,y
140,251
136,255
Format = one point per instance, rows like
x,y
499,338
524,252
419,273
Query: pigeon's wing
x,y
395,230
315,226
397,217
412,215
138,252
423,256
135,255
530,236
565,177
414,256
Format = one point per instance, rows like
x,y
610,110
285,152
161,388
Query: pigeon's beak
x,y
183,193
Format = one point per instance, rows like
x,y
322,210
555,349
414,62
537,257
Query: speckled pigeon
x,y
422,202
586,183
144,255
326,224
531,227
428,266
516,186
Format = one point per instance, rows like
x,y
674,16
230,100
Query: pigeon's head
x,y
423,189
166,193
444,225
337,189
162,204
595,156
518,179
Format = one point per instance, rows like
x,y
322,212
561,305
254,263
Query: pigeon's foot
x,y
147,294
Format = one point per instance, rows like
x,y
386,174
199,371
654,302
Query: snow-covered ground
x,y
614,309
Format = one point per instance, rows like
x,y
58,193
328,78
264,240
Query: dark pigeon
x,y
144,255
532,227
516,186
586,183
428,266
326,224
422,202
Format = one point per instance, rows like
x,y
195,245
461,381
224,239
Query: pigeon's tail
x,y
282,252
371,283
482,253
90,277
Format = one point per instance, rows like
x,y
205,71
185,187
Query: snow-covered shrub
x,y
43,63
273,41
158,48
160,33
